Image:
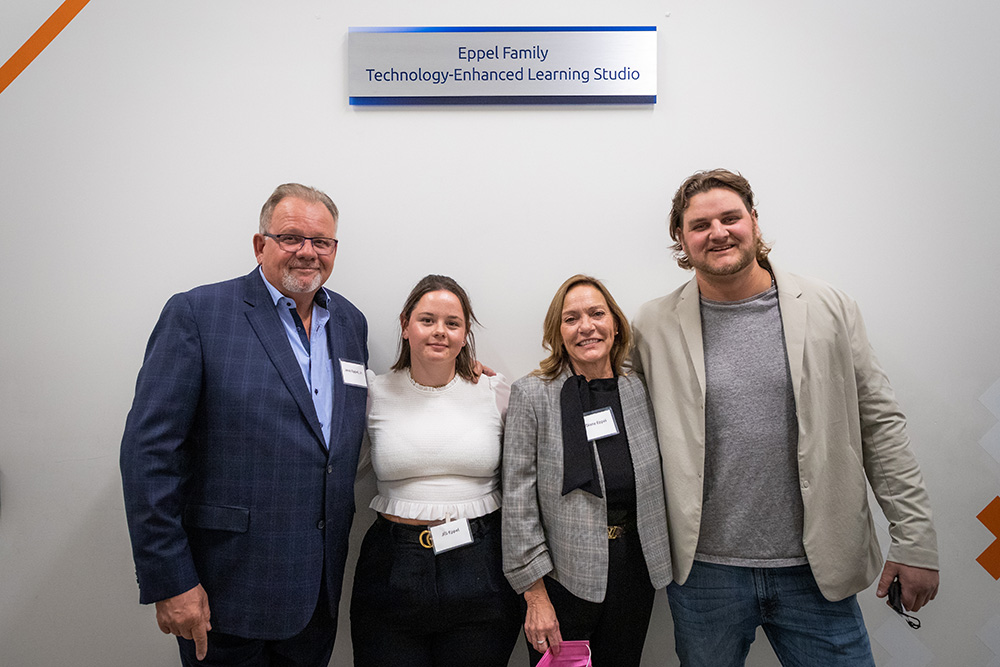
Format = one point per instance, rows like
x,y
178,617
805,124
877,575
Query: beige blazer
x,y
850,430
566,537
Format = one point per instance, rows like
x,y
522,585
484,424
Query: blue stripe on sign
x,y
613,28
504,99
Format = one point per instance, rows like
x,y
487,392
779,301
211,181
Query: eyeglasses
x,y
323,245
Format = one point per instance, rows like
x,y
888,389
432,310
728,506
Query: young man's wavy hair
x,y
696,184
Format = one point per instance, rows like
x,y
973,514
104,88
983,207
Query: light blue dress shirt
x,y
312,352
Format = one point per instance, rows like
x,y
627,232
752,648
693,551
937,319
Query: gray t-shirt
x,y
752,510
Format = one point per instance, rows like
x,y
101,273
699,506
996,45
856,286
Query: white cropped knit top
x,y
436,450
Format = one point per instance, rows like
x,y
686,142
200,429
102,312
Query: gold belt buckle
x,y
426,541
614,532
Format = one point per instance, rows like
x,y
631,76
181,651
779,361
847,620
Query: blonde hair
x,y
558,360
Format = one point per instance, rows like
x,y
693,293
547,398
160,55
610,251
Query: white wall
x,y
137,149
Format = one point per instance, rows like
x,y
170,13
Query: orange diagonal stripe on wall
x,y
990,517
36,43
990,560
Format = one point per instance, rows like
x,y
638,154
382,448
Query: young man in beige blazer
x,y
773,413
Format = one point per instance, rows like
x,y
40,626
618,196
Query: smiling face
x,y
302,272
435,330
588,331
719,235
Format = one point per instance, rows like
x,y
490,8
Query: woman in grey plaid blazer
x,y
584,516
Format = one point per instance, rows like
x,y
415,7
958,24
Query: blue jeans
x,y
718,609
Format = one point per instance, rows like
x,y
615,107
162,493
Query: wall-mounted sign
x,y
502,65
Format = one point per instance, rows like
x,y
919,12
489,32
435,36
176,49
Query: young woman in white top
x,y
429,588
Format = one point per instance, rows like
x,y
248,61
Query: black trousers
x,y
312,647
616,627
410,607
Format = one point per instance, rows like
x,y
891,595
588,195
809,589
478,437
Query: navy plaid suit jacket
x,y
226,478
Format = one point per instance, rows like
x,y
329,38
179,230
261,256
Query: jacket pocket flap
x,y
217,517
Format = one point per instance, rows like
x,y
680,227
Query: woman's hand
x,y
541,626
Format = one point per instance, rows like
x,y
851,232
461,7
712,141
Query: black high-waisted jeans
x,y
410,607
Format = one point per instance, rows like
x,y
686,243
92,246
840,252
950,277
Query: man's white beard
x,y
296,285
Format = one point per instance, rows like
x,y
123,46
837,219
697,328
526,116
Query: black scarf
x,y
579,464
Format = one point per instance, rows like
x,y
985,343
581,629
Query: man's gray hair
x,y
299,191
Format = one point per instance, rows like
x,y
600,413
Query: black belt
x,y
404,532
620,523
614,532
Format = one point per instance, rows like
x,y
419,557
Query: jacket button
x,y
329,470
320,524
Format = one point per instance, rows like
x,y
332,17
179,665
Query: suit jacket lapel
x,y
267,325
794,312
633,407
689,314
336,334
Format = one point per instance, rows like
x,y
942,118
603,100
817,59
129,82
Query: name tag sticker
x,y
354,373
600,424
451,535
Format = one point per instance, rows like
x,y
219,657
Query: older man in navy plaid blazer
x,y
239,505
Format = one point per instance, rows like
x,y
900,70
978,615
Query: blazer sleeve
x,y
525,552
889,463
152,453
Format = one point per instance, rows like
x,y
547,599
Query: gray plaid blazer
x,y
566,537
